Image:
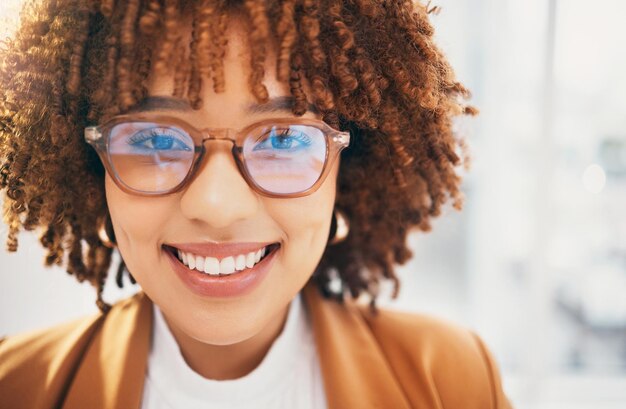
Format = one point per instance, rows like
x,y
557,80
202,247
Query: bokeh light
x,y
594,178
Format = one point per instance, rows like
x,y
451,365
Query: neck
x,y
222,362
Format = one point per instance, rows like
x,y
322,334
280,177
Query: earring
x,y
106,234
339,227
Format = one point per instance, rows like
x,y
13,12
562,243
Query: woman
x,y
242,153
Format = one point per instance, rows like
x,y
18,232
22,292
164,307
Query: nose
x,y
218,195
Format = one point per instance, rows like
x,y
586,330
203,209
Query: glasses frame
x,y
98,137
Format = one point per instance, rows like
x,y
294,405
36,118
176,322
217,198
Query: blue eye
x,y
286,141
156,139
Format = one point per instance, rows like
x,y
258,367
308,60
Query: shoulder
x,y
35,362
35,366
450,359
422,335
49,343
44,344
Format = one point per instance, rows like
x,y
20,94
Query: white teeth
x,y
240,262
200,263
211,265
250,260
228,265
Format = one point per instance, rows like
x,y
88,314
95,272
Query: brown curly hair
x,y
372,66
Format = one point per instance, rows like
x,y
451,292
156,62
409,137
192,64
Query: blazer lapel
x,y
111,374
356,373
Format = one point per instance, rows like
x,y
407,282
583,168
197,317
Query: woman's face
x,y
218,206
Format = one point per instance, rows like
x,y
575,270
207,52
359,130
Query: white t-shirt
x,y
288,377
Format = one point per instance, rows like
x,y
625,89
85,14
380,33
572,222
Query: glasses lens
x,y
285,159
150,157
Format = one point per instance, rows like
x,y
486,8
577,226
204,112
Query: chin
x,y
224,333
217,324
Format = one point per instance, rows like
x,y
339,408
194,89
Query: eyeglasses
x,y
152,155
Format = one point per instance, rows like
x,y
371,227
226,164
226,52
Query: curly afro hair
x,y
372,66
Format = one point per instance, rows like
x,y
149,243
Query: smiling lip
x,y
231,285
218,250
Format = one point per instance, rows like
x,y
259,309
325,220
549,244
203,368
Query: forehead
x,y
160,103
237,72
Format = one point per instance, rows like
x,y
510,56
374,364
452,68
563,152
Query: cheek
x,y
305,222
138,223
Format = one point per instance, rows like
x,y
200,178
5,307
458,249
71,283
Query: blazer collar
x,y
112,371
355,371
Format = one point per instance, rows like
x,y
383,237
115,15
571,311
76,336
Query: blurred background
x,y
536,261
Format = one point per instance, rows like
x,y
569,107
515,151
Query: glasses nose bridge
x,y
218,134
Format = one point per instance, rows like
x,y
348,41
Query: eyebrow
x,y
164,103
161,103
277,104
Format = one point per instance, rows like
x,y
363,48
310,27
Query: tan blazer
x,y
394,360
